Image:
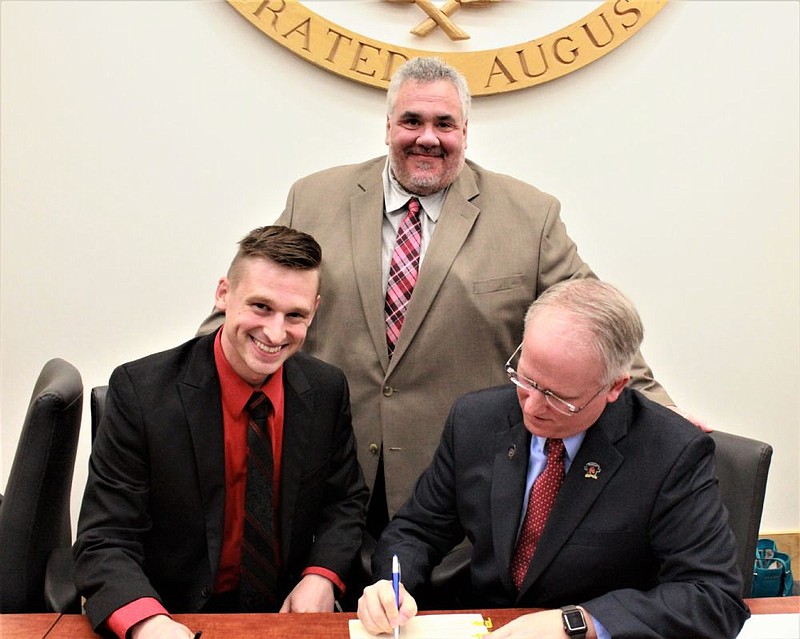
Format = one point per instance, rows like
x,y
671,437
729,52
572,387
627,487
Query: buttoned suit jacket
x,y
643,543
151,523
499,243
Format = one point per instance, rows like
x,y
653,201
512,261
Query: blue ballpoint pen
x,y
396,586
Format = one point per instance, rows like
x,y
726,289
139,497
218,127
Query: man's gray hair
x,y
603,311
428,70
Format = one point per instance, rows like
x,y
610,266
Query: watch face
x,y
573,621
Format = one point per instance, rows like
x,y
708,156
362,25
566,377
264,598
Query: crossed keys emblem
x,y
440,16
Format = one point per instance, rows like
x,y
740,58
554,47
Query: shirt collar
x,y
395,197
234,390
571,444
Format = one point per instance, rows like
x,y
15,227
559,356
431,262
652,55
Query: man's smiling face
x,y
268,309
427,136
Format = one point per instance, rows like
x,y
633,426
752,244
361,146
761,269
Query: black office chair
x,y
34,512
742,466
61,594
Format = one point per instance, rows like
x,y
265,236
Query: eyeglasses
x,y
561,405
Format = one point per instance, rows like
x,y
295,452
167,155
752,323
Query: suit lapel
x,y
579,492
508,490
366,219
454,225
298,406
200,395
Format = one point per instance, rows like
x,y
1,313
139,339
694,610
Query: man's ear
x,y
616,388
221,294
388,126
314,312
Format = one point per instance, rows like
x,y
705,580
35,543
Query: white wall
x,y
141,140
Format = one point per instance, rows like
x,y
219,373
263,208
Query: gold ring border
x,y
489,71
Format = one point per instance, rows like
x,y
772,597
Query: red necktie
x,y
259,577
541,500
403,272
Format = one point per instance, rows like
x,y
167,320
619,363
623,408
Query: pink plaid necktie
x,y
541,500
403,272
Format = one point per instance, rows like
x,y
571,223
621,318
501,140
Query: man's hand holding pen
x,y
378,609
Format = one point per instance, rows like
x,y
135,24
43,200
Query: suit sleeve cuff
x,y
328,574
123,619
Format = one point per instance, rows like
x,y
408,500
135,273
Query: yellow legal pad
x,y
454,626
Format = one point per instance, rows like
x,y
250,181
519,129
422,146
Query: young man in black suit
x,y
167,519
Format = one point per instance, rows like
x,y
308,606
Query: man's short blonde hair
x,y
605,313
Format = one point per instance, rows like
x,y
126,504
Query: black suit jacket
x,y
151,523
645,546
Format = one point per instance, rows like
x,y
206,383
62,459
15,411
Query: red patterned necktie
x,y
259,577
541,500
403,272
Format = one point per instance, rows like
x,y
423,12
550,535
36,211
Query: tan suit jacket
x,y
498,243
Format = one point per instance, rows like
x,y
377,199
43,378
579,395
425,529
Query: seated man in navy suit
x,y
579,495
224,475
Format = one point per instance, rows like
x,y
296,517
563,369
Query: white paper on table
x,y
454,626
777,626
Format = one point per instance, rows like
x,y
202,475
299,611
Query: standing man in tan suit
x,y
490,245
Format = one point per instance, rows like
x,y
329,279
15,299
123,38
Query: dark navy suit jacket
x,y
644,545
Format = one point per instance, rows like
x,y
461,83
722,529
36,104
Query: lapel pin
x,y
512,450
592,470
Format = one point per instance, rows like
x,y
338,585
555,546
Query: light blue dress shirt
x,y
537,460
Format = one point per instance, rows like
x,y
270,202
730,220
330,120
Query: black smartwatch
x,y
574,622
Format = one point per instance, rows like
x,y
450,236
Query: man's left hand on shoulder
x,y
314,593
700,423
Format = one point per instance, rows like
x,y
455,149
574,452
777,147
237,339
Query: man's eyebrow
x,y
265,301
446,117
564,396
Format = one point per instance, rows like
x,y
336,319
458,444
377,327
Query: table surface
x,y
27,626
300,626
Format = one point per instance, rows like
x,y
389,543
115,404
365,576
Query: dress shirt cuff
x,y
600,629
123,619
328,574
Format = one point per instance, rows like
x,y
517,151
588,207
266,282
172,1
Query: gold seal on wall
x,y
508,68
